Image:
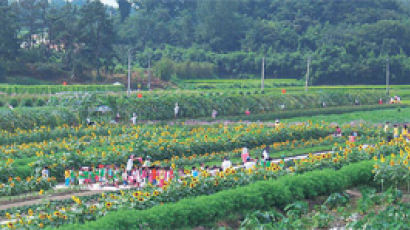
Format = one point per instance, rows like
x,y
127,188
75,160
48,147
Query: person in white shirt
x,y
214,113
147,162
226,164
134,119
249,163
44,173
265,154
130,164
176,110
277,123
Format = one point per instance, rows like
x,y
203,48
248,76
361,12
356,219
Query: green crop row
x,y
161,107
260,195
310,112
47,89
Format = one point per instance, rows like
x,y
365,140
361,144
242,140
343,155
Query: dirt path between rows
x,y
38,200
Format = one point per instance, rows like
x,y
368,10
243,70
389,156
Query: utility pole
x,y
307,73
129,72
387,76
263,74
149,73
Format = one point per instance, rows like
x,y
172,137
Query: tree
x,y
164,68
96,37
8,36
220,25
125,7
63,32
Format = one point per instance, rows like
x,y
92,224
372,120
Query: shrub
x,y
41,102
28,102
14,102
164,69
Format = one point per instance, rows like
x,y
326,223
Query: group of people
x,y
113,175
396,130
395,100
139,173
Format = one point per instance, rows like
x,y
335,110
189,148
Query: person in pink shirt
x,y
245,154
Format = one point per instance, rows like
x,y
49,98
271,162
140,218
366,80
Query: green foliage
x,y
161,106
29,118
164,69
297,209
336,200
349,42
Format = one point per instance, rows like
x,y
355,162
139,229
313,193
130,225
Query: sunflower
x,y
192,185
184,183
155,193
135,194
8,216
30,212
140,199
42,216
108,205
57,213
41,225
10,225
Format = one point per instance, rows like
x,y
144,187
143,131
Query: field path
x,y
38,200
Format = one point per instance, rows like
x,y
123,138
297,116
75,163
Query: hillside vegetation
x,y
348,41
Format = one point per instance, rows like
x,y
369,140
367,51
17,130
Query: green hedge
x,y
46,89
261,195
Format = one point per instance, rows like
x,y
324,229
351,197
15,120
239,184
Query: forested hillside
x,y
348,41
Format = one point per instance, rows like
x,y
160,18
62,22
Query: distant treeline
x,y
349,42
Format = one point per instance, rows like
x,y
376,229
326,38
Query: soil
x,y
38,200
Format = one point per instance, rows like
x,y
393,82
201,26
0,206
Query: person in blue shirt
x,y
195,172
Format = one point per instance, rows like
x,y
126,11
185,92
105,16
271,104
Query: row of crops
x,y
51,89
75,110
188,145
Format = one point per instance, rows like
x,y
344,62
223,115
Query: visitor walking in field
x,y
245,154
130,164
226,164
396,132
134,118
386,127
338,132
265,154
45,173
176,110
214,113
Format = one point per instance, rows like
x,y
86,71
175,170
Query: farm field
x,y
204,115
169,146
180,159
